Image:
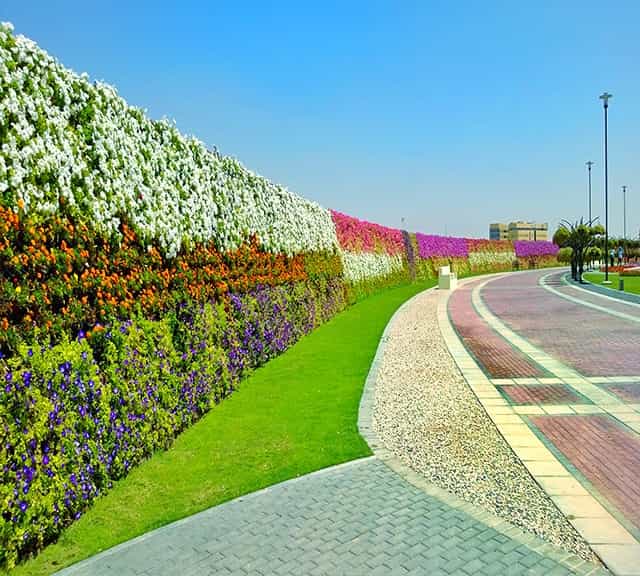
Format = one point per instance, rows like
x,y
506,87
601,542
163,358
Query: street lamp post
x,y
605,100
589,164
624,211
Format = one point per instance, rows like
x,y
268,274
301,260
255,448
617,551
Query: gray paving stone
x,y
360,518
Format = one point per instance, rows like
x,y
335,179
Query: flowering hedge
x,y
371,253
441,246
531,248
82,413
360,236
73,146
488,246
58,275
142,276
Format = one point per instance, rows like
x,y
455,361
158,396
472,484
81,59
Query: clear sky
x,y
448,114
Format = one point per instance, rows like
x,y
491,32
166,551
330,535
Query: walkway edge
x,y
604,291
79,566
366,429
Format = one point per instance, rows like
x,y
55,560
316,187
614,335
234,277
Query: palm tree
x,y
579,236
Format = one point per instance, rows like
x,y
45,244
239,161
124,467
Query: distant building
x,y
498,231
518,231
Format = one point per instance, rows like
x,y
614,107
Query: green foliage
x,y
593,254
564,254
54,408
561,236
80,415
580,236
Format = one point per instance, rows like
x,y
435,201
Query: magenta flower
x,y
530,248
441,246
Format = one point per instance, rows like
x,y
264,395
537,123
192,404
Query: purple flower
x,y
441,246
530,248
23,506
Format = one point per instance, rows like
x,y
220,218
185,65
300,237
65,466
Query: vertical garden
x,y
143,276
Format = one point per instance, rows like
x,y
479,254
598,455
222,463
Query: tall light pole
x,y
589,164
605,99
624,211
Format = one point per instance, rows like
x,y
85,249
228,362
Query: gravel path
x,y
427,415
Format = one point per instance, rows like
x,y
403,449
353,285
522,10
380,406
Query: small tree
x,y
564,255
578,236
561,236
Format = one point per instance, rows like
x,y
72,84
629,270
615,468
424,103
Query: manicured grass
x,y
631,283
295,415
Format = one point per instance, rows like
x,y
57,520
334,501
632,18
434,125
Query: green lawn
x,y
631,283
295,415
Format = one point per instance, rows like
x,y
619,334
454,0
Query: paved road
x,y
562,367
358,518
590,340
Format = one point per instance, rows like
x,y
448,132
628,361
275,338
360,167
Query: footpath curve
x,y
570,406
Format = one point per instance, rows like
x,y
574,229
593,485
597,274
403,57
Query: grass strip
x,y
631,283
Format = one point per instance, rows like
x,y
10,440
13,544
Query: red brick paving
x,y
494,353
590,341
626,392
542,394
618,306
607,454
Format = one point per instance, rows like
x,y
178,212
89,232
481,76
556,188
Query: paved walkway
x,y
360,518
576,428
371,516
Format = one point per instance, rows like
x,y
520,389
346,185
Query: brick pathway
x,y
359,518
496,356
542,394
606,453
577,431
626,392
591,341
606,300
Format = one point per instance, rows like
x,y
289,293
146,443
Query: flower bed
x,y
82,413
360,236
59,276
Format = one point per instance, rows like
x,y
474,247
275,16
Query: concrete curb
x,y
612,293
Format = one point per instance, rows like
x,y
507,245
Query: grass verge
x,y
295,415
631,283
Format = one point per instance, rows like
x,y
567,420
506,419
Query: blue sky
x,y
448,114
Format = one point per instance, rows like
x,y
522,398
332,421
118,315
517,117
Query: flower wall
x,y
142,277
74,146
373,256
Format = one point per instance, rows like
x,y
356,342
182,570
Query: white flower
x,y
107,158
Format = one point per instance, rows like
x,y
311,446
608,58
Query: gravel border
x,y
425,414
